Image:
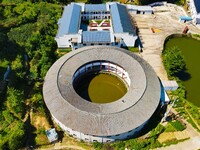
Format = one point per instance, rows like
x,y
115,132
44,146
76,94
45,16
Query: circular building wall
x,y
108,121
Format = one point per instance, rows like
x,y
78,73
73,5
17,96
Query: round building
x,y
101,93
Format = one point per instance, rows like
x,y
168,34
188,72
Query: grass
x,y
169,128
98,21
132,49
64,50
177,125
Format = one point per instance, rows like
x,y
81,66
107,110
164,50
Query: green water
x,y
101,88
191,51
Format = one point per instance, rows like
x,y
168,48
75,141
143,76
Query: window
x,y
108,140
107,43
89,68
108,136
92,43
84,44
94,140
75,44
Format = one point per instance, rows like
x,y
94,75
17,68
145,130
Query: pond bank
x,y
190,48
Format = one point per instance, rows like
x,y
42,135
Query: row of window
x,y
95,17
75,44
96,12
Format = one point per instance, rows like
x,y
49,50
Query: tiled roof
x,y
69,23
95,7
96,37
120,19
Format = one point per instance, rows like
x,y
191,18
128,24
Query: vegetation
x,y
173,61
133,49
177,125
27,44
28,47
196,35
185,109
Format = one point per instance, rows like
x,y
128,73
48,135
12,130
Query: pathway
x,y
191,144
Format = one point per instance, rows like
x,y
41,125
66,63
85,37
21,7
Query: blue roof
x,y
96,37
69,23
187,18
120,19
52,135
95,7
197,5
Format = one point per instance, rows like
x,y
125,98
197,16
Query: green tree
x,y
8,116
15,98
173,61
17,136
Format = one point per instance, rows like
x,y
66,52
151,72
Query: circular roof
x,y
123,115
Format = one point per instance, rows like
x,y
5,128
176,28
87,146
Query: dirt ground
x,y
40,122
164,21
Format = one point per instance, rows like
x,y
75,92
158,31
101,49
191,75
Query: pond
x,y
101,88
191,51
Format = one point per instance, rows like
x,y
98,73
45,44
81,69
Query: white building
x,y
71,32
124,118
140,9
195,11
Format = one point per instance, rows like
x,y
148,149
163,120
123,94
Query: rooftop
x,y
95,7
123,115
96,37
69,23
52,135
120,19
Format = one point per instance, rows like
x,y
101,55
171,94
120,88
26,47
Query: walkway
x,y
191,144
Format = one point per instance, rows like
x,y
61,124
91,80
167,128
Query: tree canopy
x,y
173,61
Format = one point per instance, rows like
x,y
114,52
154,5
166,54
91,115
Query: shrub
x,y
178,125
173,61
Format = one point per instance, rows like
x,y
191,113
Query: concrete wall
x,y
96,16
101,139
127,39
108,66
194,15
65,40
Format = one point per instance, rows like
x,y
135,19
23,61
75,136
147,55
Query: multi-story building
x,y
72,32
195,11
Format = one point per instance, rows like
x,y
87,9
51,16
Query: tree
x,y
17,136
173,61
16,100
18,68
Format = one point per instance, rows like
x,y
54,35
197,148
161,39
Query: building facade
x,y
90,121
195,11
73,33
